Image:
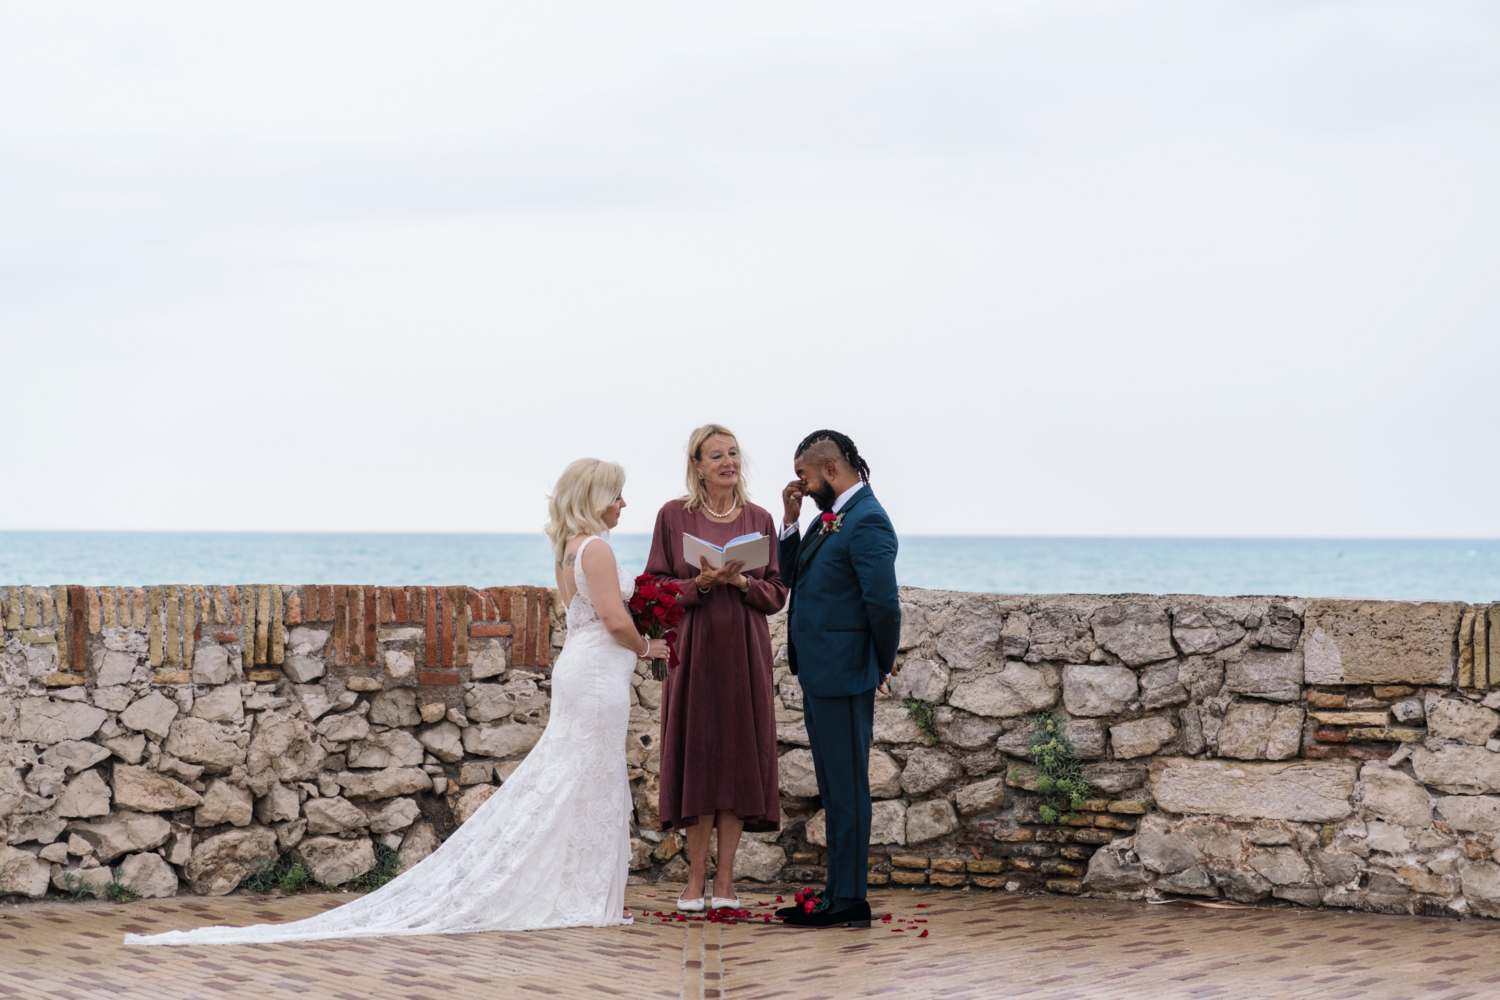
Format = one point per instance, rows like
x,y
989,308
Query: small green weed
x,y
117,892
921,712
1061,782
76,888
387,867
291,877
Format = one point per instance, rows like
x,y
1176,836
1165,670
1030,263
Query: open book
x,y
755,549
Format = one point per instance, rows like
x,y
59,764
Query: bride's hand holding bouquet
x,y
656,612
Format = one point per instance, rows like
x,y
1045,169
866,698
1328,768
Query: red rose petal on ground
x,y
921,906
923,934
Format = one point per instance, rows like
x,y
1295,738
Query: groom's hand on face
x,y
791,498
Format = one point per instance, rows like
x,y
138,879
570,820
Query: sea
x,y
1405,569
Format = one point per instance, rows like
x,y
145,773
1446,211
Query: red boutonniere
x,y
830,523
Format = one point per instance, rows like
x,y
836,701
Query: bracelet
x,y
643,652
701,588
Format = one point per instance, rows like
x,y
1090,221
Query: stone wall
x,y
1316,752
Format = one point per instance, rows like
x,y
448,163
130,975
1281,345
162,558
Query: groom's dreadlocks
x,y
845,447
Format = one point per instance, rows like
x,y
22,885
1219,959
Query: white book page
x,y
755,550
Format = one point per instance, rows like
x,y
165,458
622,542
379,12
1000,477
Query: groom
x,y
842,630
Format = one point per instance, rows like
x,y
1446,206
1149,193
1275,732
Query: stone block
x,y
333,861
1392,795
170,677
1138,632
929,820
287,747
152,715
1113,870
1195,881
1008,690
1258,730
1459,719
1380,718
758,860
220,704
469,800
86,795
884,774
383,784
1140,738
887,823
892,725
391,748
1201,629
148,876
1261,673
392,815
1471,813
981,797
433,711
443,741
1060,635
488,702
45,721
303,669
970,637
909,878
1380,642
344,728
926,680
1326,699
225,803
211,665
476,772
1305,792
365,684
1387,734
333,815
1282,628
72,756
500,741
796,773
1458,770
420,841
93,880
221,862
960,729
123,832
1092,689
1161,685
928,768
143,790
280,804
204,742
22,873
115,667
1114,777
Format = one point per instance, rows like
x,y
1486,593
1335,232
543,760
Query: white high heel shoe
x,y
720,903
690,905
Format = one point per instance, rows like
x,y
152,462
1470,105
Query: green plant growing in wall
x,y
921,712
75,887
1060,779
119,892
387,867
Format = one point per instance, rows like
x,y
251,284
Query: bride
x,y
551,848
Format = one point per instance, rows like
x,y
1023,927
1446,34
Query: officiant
x,y
718,718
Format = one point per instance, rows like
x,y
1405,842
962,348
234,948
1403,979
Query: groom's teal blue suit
x,y
843,627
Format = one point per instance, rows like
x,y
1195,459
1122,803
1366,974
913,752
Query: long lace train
x,y
551,848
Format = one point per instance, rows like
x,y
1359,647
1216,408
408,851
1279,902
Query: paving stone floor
x,y
978,944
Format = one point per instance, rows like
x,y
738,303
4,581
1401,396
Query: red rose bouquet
x,y
656,612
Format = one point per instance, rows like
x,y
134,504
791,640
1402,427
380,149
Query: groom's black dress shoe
x,y
825,915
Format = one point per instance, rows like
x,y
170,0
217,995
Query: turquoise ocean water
x,y
1373,568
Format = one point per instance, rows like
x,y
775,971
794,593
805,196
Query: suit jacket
x,y
844,621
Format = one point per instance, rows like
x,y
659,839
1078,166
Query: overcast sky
x,y
1059,268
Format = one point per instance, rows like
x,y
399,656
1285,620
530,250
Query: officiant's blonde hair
x,y
697,494
576,505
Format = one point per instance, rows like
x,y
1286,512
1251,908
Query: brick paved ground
x,y
978,945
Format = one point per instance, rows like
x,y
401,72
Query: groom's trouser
x,y
840,730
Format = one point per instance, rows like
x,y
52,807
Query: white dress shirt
x,y
791,529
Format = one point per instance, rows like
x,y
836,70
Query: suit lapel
x,y
815,542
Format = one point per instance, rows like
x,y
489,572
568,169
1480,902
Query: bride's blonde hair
x,y
576,505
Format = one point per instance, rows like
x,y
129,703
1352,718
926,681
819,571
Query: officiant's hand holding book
x,y
754,550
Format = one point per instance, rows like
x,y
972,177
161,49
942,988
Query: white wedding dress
x,y
551,848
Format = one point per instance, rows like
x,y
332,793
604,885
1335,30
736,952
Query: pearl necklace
x,y
731,510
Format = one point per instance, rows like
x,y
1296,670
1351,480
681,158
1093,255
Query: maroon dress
x,y
718,717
